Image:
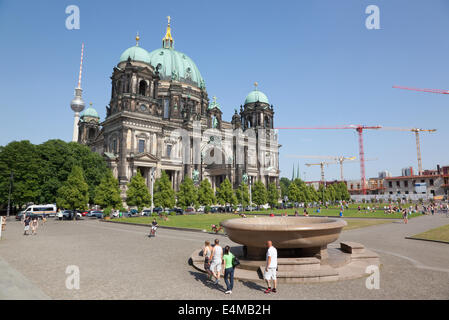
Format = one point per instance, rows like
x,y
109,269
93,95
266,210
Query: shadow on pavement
x,y
252,285
202,277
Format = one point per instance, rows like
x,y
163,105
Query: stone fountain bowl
x,y
284,232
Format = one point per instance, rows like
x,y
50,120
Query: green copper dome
x,y
136,53
175,65
255,96
90,112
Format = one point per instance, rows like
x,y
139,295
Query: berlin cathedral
x,y
155,94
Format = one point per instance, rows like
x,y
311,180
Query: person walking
x,y
271,267
216,260
34,225
26,223
207,252
404,216
228,267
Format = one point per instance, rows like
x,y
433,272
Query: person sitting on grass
x,y
306,214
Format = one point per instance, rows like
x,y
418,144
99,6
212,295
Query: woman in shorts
x,y
34,225
207,251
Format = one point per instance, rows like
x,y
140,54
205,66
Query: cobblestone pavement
x,y
119,261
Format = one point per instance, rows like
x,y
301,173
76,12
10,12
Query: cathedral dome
x,y
90,112
136,53
256,96
175,65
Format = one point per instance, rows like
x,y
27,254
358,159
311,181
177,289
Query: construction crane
x,y
423,90
359,128
418,146
321,164
338,159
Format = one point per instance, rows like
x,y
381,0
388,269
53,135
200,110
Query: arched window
x,y
142,87
91,133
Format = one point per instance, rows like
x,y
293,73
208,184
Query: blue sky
x,y
315,60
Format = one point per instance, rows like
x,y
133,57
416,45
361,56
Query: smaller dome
x,y
136,53
90,112
255,96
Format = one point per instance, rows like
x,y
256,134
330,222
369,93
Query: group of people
x,y
32,223
219,261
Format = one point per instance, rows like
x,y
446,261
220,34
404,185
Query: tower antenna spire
x,y
81,66
77,104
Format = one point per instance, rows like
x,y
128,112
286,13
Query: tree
x,y
242,194
259,193
20,158
293,192
343,193
225,194
206,195
137,193
284,184
272,195
331,193
74,193
164,196
107,193
187,194
314,197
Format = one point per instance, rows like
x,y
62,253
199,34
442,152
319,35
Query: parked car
x,y
146,212
200,209
189,210
177,211
158,210
95,214
70,215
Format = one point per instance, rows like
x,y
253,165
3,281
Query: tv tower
x,y
77,104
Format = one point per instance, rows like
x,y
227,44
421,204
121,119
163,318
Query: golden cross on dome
x,y
168,18
90,103
137,39
215,99
256,84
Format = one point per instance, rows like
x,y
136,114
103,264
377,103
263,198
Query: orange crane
x,y
423,90
418,146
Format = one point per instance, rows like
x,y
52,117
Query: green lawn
x,y
204,221
352,213
439,234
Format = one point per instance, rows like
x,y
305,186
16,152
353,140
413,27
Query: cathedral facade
x,y
160,118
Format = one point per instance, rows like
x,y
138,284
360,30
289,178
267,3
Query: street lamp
x,y
250,195
152,170
9,195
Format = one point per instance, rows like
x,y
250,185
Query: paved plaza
x,y
118,261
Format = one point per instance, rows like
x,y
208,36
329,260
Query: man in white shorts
x,y
271,267
216,260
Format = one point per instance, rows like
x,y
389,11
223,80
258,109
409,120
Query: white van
x,y
40,209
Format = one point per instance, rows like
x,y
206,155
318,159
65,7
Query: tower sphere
x,y
77,104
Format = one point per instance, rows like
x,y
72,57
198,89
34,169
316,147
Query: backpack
x,y
235,261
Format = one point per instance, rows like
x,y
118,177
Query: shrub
x,y
172,213
107,212
154,214
206,209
